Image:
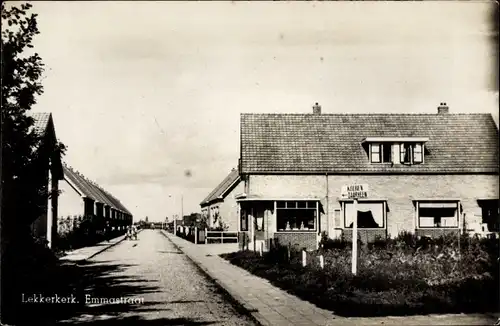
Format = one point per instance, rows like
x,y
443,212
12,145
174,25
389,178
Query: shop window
x,y
296,216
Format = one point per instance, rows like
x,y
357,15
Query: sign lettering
x,y
355,191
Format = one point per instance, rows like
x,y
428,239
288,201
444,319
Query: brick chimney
x,y
317,109
443,108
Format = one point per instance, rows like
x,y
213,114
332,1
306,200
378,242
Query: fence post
x,y
304,258
221,236
195,235
261,249
322,261
206,236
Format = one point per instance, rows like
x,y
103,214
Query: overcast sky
x,y
142,91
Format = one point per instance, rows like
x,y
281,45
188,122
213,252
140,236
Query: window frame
x,y
412,147
296,207
384,210
488,205
372,145
458,214
382,147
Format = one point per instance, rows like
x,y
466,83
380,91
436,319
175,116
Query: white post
x,y
195,235
322,261
175,226
206,235
304,258
260,249
355,238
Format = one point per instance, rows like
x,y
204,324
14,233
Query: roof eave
x,y
371,172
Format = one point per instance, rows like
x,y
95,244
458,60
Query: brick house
x,y
82,197
428,174
45,226
220,205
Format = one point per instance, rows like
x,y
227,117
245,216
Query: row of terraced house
x,y
73,195
428,174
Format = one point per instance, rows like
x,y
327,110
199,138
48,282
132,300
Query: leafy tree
x,y
24,161
24,156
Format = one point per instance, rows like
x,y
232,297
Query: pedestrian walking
x,y
134,232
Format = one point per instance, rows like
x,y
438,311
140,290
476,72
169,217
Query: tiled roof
x,y
91,190
307,143
41,121
43,126
219,191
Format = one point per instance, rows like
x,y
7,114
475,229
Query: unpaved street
x,y
173,290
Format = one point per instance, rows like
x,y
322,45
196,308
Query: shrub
x,y
405,275
327,243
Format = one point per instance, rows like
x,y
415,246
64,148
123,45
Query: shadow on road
x,y
146,322
94,287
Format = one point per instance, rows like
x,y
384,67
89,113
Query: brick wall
x,y
307,240
365,236
399,190
435,232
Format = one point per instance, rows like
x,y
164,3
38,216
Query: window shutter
x,y
417,153
375,153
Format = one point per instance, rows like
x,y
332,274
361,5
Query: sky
x,y
142,92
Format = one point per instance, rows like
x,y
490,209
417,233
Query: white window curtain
x,y
375,208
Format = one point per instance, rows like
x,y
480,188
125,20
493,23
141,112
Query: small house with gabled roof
x,y
427,174
45,226
220,206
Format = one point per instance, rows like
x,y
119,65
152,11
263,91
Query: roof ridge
x,y
233,174
366,114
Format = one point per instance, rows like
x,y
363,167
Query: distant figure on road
x,y
131,232
107,232
134,232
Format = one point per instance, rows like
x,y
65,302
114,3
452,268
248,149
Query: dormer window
x,y
396,150
381,153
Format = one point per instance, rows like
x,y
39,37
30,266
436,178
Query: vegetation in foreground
x,y
403,276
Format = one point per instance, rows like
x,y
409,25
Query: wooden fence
x,y
221,235
200,236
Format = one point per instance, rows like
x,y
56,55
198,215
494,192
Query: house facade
x,y
81,197
45,226
428,174
220,206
